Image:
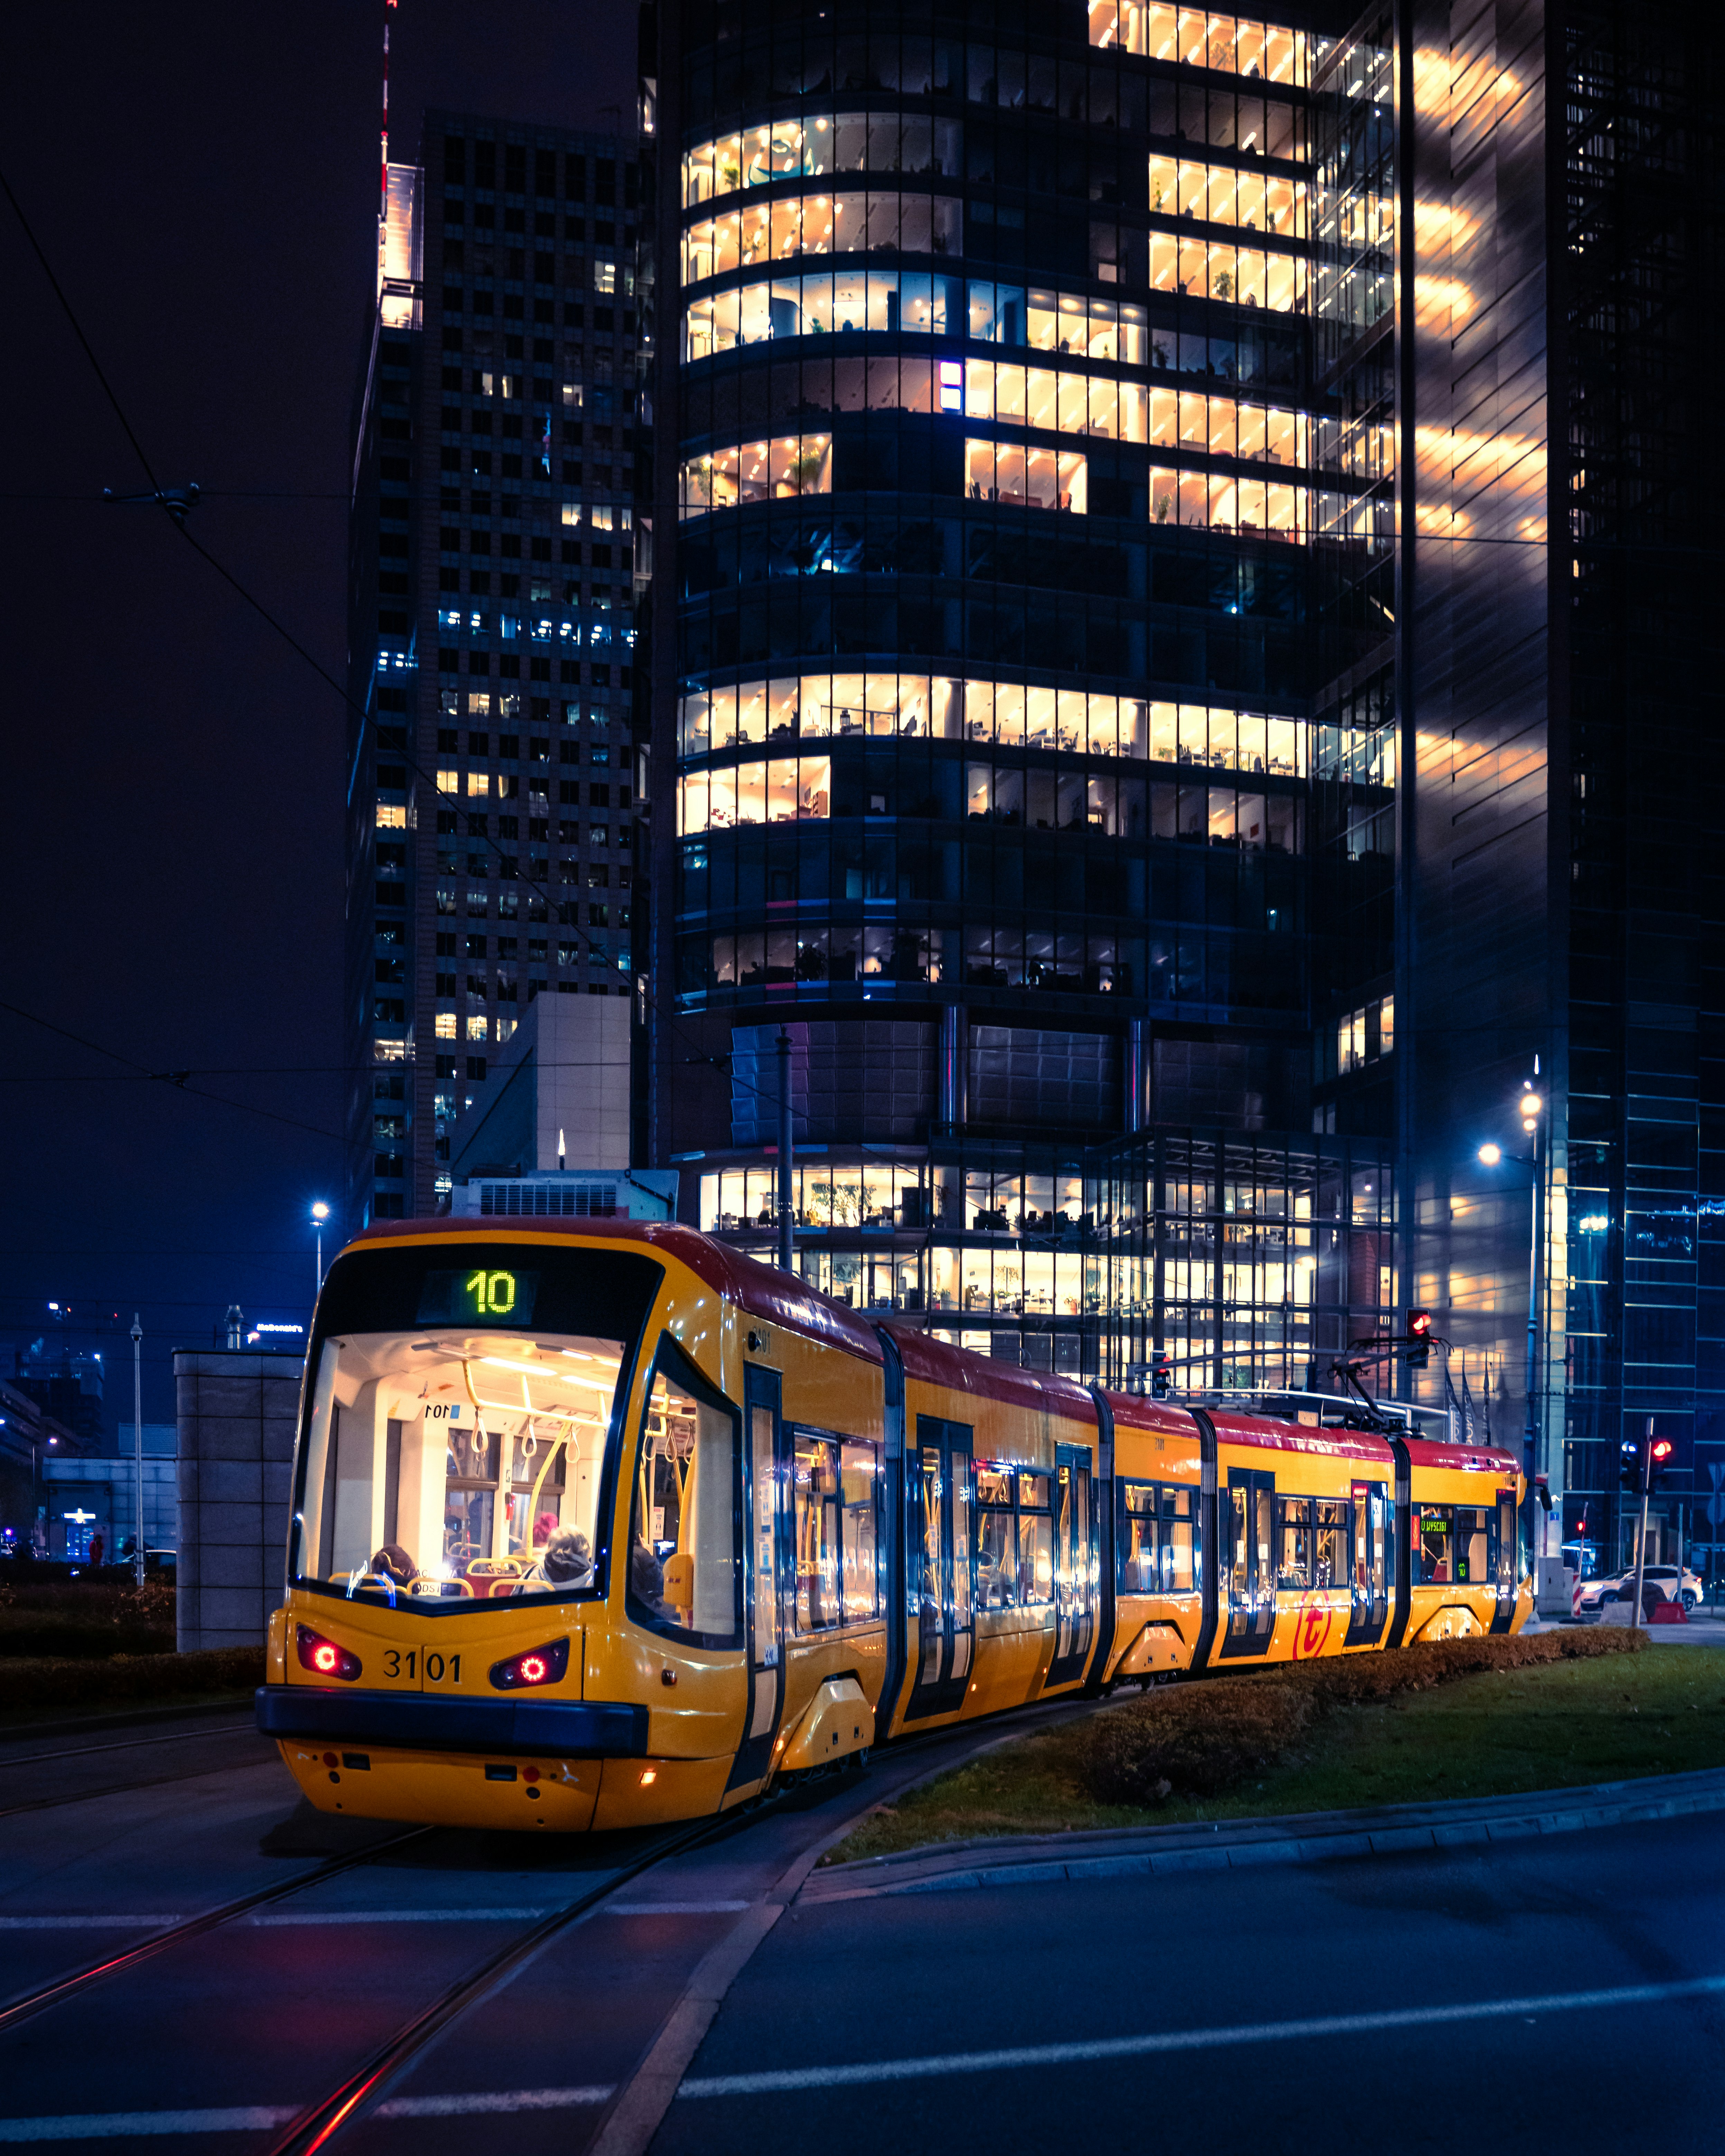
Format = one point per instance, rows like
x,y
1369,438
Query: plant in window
x,y
1224,286
1164,508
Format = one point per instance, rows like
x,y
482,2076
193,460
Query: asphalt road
x,y
877,2019
1170,2011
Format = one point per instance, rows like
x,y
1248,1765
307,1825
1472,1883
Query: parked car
x,y
1620,1587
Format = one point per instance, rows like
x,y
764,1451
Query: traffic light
x,y
1160,1378
1658,1457
1420,1337
1630,1471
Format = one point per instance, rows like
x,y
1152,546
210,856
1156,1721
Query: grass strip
x,y
1459,1718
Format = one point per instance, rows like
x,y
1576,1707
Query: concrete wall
x,y
567,1069
237,1415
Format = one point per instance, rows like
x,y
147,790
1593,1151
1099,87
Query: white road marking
x,y
393,1916
1192,2039
672,1908
116,1922
114,2125
499,2100
258,2119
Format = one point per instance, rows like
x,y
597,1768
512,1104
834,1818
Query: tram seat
x,y
680,1583
496,1576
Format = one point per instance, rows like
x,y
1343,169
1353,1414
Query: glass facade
x,y
1237,1262
983,518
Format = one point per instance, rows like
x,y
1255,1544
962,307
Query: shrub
x,y
86,1620
124,1680
1203,1738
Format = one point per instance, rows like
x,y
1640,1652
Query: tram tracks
x,y
245,1731
63,1987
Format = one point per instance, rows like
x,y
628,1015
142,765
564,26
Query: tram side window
x,y
836,1493
815,1483
1035,1541
997,1567
684,1572
1476,1560
1293,1541
1139,1570
859,1549
1179,1541
1432,1555
1331,1547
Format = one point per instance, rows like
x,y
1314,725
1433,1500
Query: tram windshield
x,y
460,1431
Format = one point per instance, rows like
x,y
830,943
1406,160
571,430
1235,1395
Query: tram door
x,y
1508,1550
766,1643
1370,1612
1074,1564
1248,1519
942,1531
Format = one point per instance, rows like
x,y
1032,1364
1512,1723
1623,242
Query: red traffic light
x,y
1419,1324
1662,1449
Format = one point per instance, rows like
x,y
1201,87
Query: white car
x,y
1620,1587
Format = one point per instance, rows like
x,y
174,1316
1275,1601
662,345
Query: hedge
x,y
125,1680
1203,1738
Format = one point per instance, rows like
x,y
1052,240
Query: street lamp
x,y
1531,1109
319,1214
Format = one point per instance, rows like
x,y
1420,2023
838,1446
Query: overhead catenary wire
x,y
281,629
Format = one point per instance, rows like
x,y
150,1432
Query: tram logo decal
x,y
1312,1626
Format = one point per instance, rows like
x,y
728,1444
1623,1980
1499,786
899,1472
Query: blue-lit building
x,y
491,575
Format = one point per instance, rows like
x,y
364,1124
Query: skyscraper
x,y
490,785
1179,617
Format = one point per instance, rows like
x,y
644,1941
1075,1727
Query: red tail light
x,y
323,1657
538,1666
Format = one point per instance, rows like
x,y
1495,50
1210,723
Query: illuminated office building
x,y
489,779
1179,623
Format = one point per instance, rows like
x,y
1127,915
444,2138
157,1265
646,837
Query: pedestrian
x,y
97,1546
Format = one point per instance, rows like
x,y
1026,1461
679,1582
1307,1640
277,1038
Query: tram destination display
x,y
487,1294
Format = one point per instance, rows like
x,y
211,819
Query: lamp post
x,y
1531,1110
319,1214
137,1436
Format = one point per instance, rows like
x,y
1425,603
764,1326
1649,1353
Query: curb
x,y
1248,1844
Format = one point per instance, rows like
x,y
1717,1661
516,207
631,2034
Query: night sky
x,y
203,181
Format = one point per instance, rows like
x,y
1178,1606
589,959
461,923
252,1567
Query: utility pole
x,y
1641,1543
784,1150
137,1435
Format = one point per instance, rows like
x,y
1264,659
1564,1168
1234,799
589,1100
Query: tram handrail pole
x,y
784,1150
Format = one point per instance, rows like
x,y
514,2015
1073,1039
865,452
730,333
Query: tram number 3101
x,y
399,1662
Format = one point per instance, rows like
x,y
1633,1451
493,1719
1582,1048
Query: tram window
x,y
684,1576
1431,1552
1293,1541
1472,1537
1332,1543
997,1540
1179,1542
814,1479
1139,1569
1036,1569
444,1457
860,1467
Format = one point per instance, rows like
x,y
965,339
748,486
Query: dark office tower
x,y
983,649
1517,226
490,792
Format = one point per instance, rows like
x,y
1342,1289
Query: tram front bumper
x,y
423,1721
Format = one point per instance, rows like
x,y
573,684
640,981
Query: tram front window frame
x,y
534,1387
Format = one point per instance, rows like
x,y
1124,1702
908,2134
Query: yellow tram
x,y
605,1524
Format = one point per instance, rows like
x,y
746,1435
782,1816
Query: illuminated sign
x,y
486,1295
